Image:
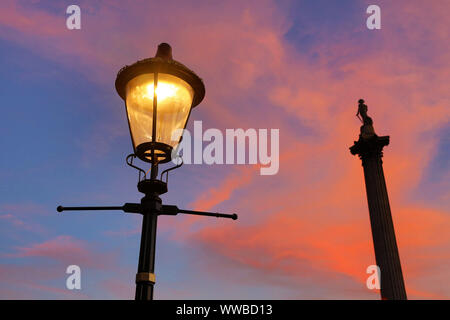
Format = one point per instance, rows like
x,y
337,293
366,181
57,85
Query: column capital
x,y
367,147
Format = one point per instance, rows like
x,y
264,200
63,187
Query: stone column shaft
x,y
369,149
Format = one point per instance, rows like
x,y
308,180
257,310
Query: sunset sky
x,y
297,66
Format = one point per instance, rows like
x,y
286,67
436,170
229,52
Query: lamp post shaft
x,y
145,278
392,286
150,207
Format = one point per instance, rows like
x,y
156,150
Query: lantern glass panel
x,y
174,102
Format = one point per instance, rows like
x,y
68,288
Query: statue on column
x,y
367,129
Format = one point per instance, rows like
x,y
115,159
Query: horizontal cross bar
x,y
127,207
209,214
61,208
137,208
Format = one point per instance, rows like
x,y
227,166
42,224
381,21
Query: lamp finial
x,y
164,51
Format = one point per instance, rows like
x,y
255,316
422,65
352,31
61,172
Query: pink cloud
x,y
65,250
118,289
316,205
30,281
23,216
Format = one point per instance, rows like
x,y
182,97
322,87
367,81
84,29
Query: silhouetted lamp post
x,y
159,94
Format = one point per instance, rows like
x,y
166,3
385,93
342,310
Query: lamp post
x,y
159,94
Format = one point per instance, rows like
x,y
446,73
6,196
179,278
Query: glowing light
x,y
164,90
174,101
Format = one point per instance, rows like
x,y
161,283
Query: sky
x,y
297,66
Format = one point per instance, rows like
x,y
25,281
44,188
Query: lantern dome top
x,y
161,63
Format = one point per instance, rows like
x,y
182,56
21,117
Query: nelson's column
x,y
369,147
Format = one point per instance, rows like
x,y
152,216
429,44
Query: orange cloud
x,y
314,212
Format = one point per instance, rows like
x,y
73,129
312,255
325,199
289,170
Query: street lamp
x,y
159,94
